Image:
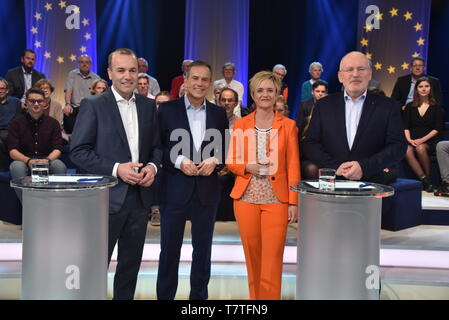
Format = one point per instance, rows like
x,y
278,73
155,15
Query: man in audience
x,y
405,86
228,80
177,82
154,88
188,127
10,107
357,133
143,85
22,78
117,135
319,90
77,87
280,71
442,150
34,137
315,71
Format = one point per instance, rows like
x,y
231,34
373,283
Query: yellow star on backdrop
x,y
72,57
368,28
379,16
47,55
391,70
420,41
60,59
394,12
62,4
369,55
378,66
408,16
364,42
38,16
33,30
85,22
415,55
418,27
48,6
405,66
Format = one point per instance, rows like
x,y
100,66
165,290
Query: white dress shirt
x,y
353,112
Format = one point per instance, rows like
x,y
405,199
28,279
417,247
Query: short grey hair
x,y
315,64
280,66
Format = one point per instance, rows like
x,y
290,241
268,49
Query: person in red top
x,y
34,137
177,82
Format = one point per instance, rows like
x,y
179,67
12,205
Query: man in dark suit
x,y
117,134
192,137
22,78
357,133
404,87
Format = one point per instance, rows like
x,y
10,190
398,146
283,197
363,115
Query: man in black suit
x,y
404,87
192,136
117,134
22,78
355,132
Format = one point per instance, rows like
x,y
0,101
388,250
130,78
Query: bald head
x,y
355,73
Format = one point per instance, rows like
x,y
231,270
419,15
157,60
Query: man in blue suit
x,y
192,134
359,134
117,134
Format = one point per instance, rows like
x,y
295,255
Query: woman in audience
x,y
423,122
264,156
99,86
53,107
281,106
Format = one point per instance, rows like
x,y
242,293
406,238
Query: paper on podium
x,y
72,179
345,185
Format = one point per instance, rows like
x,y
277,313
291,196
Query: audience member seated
x,y
280,71
404,87
442,150
143,67
77,87
178,81
309,171
315,70
53,108
34,137
99,86
281,106
228,80
143,85
423,123
22,78
10,107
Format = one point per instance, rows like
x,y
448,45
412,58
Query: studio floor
x,y
414,262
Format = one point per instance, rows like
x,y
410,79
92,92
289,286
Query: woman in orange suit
x,y
264,155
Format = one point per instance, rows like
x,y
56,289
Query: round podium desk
x,y
65,237
339,241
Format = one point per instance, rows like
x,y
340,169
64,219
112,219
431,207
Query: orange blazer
x,y
282,151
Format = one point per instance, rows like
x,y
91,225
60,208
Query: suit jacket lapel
x,y
115,114
368,109
340,121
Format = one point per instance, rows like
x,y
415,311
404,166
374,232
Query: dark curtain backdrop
x,y
297,33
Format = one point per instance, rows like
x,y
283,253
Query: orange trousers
x,y
263,228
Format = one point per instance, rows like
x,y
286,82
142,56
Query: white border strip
x,y
234,253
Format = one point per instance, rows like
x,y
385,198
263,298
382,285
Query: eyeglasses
x,y
224,100
34,101
359,70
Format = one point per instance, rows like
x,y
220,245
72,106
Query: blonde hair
x,y
262,76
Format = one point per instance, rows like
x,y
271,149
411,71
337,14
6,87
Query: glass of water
x,y
327,179
39,172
